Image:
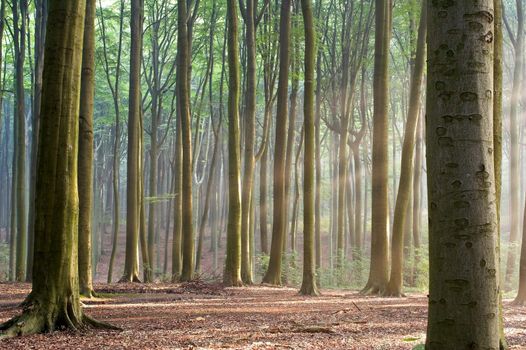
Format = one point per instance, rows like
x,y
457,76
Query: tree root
x,y
372,289
309,289
35,319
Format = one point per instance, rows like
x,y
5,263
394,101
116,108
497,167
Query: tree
x,y
131,264
115,93
85,149
273,273
20,24
378,274
394,287
308,286
183,99
54,300
518,44
40,38
232,274
464,283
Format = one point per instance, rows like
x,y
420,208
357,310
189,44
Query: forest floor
x,y
199,315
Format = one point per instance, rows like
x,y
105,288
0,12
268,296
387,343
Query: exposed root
x,y
128,279
372,289
309,289
393,294
89,294
35,320
99,324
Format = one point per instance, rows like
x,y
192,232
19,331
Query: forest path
x,y
207,316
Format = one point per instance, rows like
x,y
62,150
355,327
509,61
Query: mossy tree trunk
x,y
85,157
462,186
54,301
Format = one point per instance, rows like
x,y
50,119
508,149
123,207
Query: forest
x,y
262,174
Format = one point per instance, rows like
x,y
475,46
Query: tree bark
x,y
308,286
273,273
378,273
232,274
463,213
131,263
19,27
183,64
85,149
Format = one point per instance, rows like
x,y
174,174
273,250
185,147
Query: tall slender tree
x,y
85,149
273,273
183,100
378,273
40,38
20,31
131,263
308,286
515,147
232,274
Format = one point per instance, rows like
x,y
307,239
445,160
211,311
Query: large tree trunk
x,y
463,247
131,263
308,286
273,274
394,287
378,273
85,157
54,302
232,274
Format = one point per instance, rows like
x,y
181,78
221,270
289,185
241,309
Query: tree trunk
x,y
40,37
131,263
85,157
394,287
515,150
308,286
378,273
249,137
183,64
232,274
273,274
464,283
19,24
417,189
54,302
